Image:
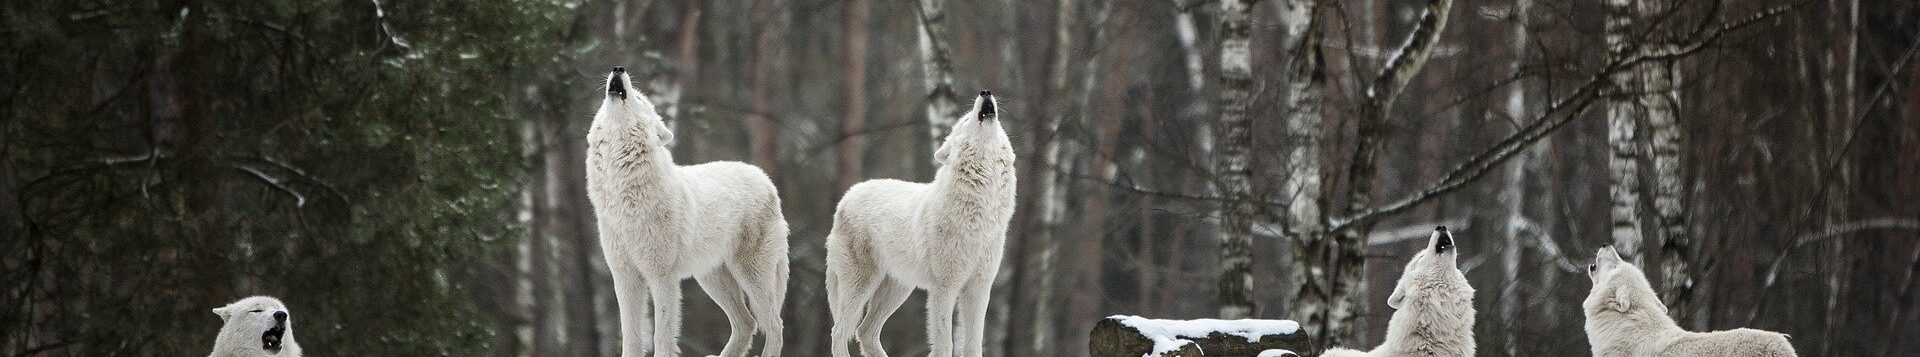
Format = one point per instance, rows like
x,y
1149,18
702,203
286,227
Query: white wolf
x,y
718,222
1625,318
890,237
255,326
1434,306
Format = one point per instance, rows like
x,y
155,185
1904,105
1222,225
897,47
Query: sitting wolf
x,y
1625,318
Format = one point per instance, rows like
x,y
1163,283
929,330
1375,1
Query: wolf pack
x,y
720,223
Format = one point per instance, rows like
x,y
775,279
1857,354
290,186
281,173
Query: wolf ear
x,y
1620,301
1394,300
940,154
222,312
665,134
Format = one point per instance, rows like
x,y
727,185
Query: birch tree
x,y
1661,96
936,63
1623,161
1065,149
1514,193
1348,265
1230,166
1061,153
1303,190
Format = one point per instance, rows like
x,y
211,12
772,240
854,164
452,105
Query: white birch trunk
x,y
1660,94
937,67
1623,163
1305,227
1514,198
1056,174
524,303
1230,165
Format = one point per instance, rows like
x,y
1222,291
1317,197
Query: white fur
x,y
1434,315
890,237
718,222
1626,318
246,321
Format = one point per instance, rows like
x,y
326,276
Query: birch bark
x,y
1230,166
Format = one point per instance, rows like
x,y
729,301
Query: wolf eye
x,y
256,310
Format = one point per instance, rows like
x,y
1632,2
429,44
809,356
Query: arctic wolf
x,y
1434,306
1625,318
890,237
718,222
255,326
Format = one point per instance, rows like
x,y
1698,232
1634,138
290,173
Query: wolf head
x,y
629,111
977,136
1433,270
1618,286
255,326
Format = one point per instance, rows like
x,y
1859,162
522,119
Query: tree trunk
x,y
936,63
1230,165
1064,160
197,141
853,66
1623,164
1661,95
1304,189
1513,199
1349,264
764,143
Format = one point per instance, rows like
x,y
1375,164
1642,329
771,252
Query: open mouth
x,y
617,85
271,340
1445,242
987,111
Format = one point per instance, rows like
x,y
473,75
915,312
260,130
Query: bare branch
x,y
1412,54
300,200
1567,109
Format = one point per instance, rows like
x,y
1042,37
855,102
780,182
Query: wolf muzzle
x,y
617,83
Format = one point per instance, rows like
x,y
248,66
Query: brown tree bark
x,y
853,68
763,142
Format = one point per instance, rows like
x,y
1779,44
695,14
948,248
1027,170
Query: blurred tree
x,y
355,158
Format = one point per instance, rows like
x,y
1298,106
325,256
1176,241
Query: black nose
x,y
280,316
619,69
1440,228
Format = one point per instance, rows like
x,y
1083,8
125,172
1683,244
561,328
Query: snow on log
x,y
1128,336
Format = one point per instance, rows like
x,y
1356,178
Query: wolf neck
x,y
977,188
634,152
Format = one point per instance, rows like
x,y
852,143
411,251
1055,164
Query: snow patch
x,y
1170,335
1277,353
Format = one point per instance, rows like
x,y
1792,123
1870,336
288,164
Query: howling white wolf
x,y
890,237
1434,306
718,222
255,327
1625,318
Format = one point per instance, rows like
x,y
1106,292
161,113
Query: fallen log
x,y
1131,336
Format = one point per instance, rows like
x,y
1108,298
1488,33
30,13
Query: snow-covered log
x,y
1129,336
